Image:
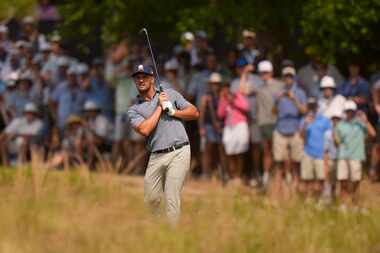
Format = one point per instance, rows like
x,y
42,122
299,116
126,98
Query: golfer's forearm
x,y
189,113
147,126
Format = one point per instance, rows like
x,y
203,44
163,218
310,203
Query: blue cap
x,y
241,62
144,69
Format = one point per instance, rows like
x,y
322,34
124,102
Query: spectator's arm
x,y
202,112
222,108
240,102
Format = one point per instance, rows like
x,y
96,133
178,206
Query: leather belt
x,y
171,149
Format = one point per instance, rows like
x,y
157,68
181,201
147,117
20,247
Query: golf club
x,y
158,82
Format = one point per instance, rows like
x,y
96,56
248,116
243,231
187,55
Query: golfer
x,y
167,140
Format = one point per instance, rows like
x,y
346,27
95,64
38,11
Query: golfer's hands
x,y
162,98
165,104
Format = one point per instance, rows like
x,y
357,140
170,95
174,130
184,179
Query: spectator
x,y
21,134
350,135
5,43
47,16
310,75
98,135
313,130
72,146
67,98
171,77
11,65
356,88
330,158
210,127
249,48
233,109
266,118
287,142
101,93
330,103
375,156
198,85
252,83
22,95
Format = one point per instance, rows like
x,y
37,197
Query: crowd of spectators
x,y
306,128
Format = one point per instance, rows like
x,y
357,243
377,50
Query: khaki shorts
x,y
349,170
287,147
312,169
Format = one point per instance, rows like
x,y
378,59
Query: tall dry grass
x,y
74,211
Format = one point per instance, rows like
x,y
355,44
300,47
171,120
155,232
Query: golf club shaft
x,y
145,31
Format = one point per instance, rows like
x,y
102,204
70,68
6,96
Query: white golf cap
x,y
63,61
21,43
82,68
72,70
336,114
188,36
12,78
248,33
172,64
265,66
30,107
45,47
3,29
215,77
90,106
350,105
28,20
327,82
288,71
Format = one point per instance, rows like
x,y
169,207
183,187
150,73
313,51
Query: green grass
x,y
77,212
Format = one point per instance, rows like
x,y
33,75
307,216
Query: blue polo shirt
x,y
315,135
69,100
360,88
288,115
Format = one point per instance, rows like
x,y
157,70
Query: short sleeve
x,y
178,100
134,117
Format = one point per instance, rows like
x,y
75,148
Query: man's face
x,y
29,116
327,92
248,42
288,80
354,69
266,75
211,62
143,82
350,114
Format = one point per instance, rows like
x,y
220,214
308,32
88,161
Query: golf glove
x,y
167,106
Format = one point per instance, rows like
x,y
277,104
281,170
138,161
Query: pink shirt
x,y
233,112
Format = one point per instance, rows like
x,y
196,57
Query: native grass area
x,y
78,211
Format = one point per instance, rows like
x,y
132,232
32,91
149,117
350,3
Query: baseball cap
x,y
215,77
288,71
45,47
72,70
82,68
73,119
55,38
327,82
144,69
171,64
201,34
12,79
90,106
248,33
350,105
63,61
30,107
188,36
265,66
28,20
312,100
241,62
336,114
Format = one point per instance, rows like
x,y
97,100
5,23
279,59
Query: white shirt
x,y
329,107
20,126
102,127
